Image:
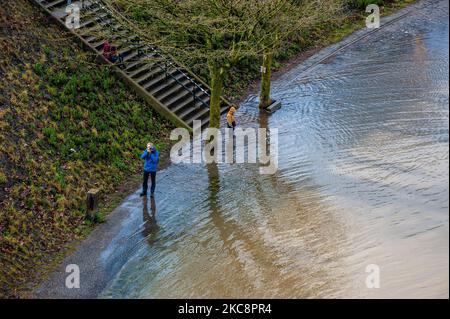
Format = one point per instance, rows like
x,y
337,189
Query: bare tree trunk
x,y
264,99
217,74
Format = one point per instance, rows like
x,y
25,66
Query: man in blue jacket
x,y
151,157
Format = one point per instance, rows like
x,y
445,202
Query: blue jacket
x,y
151,160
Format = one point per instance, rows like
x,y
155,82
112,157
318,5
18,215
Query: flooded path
x,y
363,179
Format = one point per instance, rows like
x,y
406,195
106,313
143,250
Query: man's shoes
x,y
143,194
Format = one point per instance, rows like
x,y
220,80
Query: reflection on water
x,y
150,226
362,179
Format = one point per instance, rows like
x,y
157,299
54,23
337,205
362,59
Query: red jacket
x,y
106,50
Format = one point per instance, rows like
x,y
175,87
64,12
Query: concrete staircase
x,y
175,92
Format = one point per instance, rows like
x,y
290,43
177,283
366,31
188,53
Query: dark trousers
x,y
233,125
145,184
116,58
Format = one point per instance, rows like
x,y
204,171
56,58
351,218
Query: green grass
x,y
66,125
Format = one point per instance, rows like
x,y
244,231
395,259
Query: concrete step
x,y
187,102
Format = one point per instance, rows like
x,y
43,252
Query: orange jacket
x,y
230,115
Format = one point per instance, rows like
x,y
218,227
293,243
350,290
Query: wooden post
x,y
92,203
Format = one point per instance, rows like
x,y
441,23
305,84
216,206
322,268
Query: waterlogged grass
x,y
331,30
66,125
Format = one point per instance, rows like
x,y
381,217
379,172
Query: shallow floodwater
x,y
363,179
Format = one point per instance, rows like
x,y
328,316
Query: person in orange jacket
x,y
231,121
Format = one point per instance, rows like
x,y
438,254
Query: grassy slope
x,y
66,125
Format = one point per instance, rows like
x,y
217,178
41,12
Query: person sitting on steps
x,y
151,157
106,50
110,53
115,56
